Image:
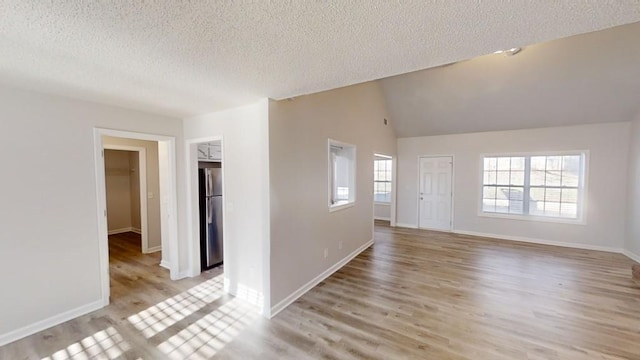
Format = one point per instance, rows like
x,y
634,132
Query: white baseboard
x,y
165,264
120,231
136,230
154,249
315,281
632,256
408,226
381,218
540,241
47,323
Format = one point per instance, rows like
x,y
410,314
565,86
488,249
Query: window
x,y
382,179
342,164
548,186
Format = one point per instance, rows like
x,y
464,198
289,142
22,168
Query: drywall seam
x,y
315,281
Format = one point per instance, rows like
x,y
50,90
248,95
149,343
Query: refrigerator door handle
x,y
209,178
209,210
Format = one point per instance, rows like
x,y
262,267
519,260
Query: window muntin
x,y
382,180
342,162
537,185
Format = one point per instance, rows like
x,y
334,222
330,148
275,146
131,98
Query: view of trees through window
x,y
533,185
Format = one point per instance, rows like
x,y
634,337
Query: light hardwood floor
x,y
414,294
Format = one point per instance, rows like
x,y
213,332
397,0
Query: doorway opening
x,y
382,188
435,197
206,206
135,180
126,191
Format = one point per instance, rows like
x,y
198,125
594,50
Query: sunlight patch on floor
x,y
105,344
160,316
207,336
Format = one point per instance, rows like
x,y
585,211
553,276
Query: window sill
x,y
533,218
338,207
382,203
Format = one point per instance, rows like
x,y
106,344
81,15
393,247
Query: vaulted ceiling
x,y
189,57
590,78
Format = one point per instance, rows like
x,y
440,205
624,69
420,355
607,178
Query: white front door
x,y
435,193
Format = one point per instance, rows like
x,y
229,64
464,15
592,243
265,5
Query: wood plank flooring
x,y
413,295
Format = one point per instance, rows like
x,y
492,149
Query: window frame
x,y
330,175
378,157
582,188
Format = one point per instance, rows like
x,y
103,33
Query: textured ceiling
x,y
583,79
189,57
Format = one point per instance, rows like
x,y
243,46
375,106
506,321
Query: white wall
x,y
301,224
49,253
245,167
382,211
607,180
632,243
118,178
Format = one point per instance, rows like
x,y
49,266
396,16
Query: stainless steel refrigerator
x,y
210,185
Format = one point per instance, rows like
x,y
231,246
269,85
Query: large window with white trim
x,y
543,186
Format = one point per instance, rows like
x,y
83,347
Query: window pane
x,y
537,177
552,195
516,207
569,210
538,163
516,194
504,163
503,177
502,199
489,192
490,163
490,177
554,162
553,178
569,196
517,178
517,163
569,179
571,163
551,208
570,170
536,201
489,205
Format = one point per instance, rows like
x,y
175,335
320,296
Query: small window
x,y
382,180
342,165
543,186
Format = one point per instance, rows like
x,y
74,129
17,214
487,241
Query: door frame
x,y
453,173
168,201
142,171
193,225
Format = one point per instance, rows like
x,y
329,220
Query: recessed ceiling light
x,y
509,52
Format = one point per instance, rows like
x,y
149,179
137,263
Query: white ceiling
x,y
188,57
583,79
